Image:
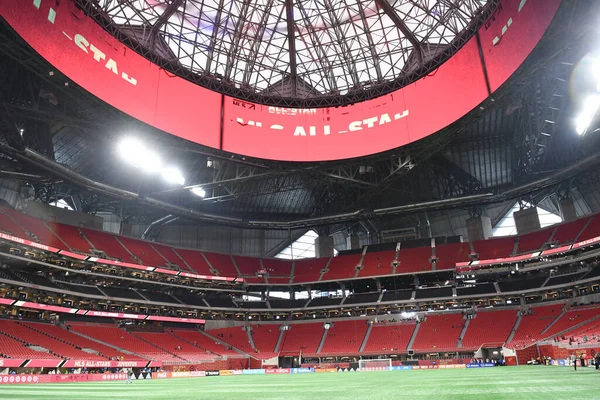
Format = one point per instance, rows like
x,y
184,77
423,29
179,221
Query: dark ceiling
x,y
523,135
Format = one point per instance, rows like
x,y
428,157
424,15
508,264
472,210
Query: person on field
x,y
574,361
597,360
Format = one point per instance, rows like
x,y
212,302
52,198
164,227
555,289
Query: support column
x,y
527,220
479,228
567,210
324,246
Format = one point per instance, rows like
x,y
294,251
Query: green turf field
x,y
533,382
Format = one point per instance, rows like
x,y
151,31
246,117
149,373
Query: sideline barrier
x,y
277,371
301,370
67,378
56,362
480,365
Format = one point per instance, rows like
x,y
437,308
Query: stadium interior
x,y
135,232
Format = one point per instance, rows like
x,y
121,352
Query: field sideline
x,y
531,383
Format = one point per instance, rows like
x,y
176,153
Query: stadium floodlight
x,y
587,114
198,191
137,154
149,162
173,175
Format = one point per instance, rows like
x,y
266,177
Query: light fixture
x,y
198,191
173,175
587,114
137,154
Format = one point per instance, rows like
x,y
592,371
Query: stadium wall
x,y
57,214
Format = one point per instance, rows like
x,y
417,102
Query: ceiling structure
x,y
519,145
294,48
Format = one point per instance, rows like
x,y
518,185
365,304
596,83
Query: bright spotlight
x,y
587,114
173,175
134,152
198,191
149,162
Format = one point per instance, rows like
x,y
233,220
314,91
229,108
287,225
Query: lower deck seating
x,y
344,338
389,339
202,341
489,327
302,339
176,346
62,334
236,337
119,338
33,336
572,318
587,334
533,323
265,339
439,332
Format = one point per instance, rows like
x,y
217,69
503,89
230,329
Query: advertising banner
x,y
104,364
253,371
480,365
225,372
212,373
65,378
237,372
277,371
161,375
323,370
401,368
452,366
301,370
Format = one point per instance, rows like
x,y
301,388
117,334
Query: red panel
x,y
369,127
10,362
446,94
504,53
104,364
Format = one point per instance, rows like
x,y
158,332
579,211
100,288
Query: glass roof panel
x,y
339,45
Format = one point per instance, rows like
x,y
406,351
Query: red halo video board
x,y
91,57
